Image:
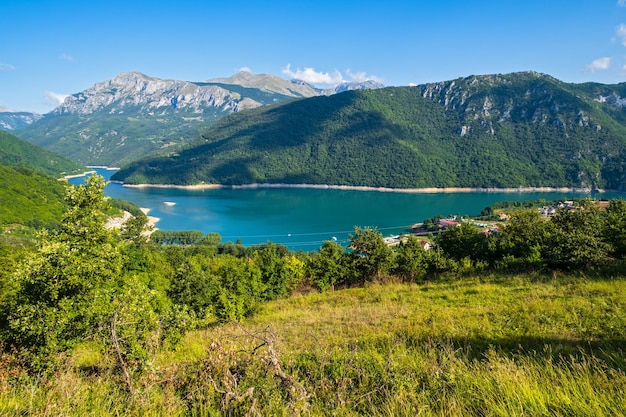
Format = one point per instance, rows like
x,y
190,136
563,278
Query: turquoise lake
x,y
302,218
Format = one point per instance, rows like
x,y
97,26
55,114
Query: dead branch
x,y
120,357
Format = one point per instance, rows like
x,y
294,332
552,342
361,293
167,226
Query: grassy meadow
x,y
520,345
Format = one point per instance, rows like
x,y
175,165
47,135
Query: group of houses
x,y
549,211
397,239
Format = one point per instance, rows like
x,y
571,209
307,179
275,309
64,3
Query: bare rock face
x,y
150,95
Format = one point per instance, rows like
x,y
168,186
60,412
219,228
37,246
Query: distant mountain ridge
x,y
12,120
268,83
491,131
132,115
134,92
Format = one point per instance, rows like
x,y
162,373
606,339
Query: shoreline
x,y
92,170
152,221
103,167
182,187
425,190
84,174
430,190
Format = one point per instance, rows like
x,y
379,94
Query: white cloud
x,y
6,67
412,85
599,64
66,57
357,76
621,3
311,76
360,77
55,99
245,69
620,32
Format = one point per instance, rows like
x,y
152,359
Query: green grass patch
x,y
480,346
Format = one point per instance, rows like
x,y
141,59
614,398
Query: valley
x,y
246,209
270,287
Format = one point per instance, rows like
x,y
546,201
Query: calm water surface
x,y
303,218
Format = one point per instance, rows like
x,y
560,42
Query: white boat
x,y
169,203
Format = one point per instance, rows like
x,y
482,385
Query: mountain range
x,y
506,130
132,115
522,129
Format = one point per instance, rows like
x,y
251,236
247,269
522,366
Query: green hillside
x,y
522,129
29,198
19,153
114,139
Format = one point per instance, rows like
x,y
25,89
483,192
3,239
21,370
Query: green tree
x,y
241,289
327,268
437,262
615,227
411,263
271,260
61,287
78,286
195,285
12,253
525,238
577,241
464,241
211,239
223,287
371,257
134,229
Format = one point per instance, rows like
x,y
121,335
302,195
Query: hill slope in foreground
x,y
471,347
493,131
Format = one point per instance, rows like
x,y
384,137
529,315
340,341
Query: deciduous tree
x,y
371,257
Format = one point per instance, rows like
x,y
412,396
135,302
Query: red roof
x,y
445,222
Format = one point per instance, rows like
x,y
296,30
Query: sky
x,y
49,49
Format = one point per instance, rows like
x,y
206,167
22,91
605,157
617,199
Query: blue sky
x,y
49,49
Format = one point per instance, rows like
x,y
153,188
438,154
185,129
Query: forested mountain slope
x,y
29,198
521,129
19,153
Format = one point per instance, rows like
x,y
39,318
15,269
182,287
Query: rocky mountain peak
x,y
130,77
484,100
134,91
268,83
